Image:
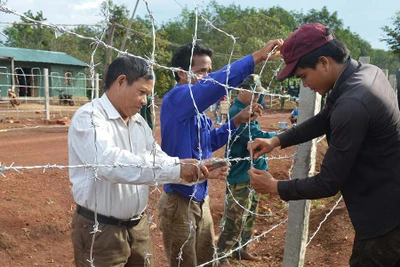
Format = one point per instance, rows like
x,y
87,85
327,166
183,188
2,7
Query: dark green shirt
x,y
238,147
146,113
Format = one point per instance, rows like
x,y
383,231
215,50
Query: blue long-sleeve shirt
x,y
180,125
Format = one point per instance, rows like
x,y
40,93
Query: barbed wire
x,y
255,238
4,168
324,220
57,24
94,167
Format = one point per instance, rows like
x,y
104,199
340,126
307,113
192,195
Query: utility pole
x,y
109,42
129,27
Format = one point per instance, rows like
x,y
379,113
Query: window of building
x,y
68,78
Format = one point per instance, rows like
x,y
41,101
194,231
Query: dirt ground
x,y
36,205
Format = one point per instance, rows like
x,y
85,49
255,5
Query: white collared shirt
x,y
121,192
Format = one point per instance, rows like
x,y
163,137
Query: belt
x,y
108,220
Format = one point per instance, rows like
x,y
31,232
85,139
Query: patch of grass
x,y
318,203
277,205
273,126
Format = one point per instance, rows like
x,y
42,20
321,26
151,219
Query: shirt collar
x,y
112,112
337,90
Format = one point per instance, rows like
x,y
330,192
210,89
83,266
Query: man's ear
x,y
182,75
121,79
324,62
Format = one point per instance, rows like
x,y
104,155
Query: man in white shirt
x,y
122,159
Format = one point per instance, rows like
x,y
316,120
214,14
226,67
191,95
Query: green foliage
x,y
393,34
318,204
323,16
27,34
251,27
285,18
385,60
357,46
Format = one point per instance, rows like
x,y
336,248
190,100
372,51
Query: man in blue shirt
x,y
186,131
295,113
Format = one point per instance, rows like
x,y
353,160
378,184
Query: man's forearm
x,y
236,121
276,141
258,57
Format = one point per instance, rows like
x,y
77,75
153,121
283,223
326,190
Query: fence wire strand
x,y
95,166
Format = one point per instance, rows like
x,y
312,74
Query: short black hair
x,y
181,56
335,49
133,68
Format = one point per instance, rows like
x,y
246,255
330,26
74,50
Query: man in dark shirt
x,y
361,120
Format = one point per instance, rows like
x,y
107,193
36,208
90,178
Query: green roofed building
x,y
66,73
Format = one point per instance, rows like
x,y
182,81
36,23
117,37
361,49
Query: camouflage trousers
x,y
237,223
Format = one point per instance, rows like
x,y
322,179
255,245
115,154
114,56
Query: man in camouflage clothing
x,y
241,202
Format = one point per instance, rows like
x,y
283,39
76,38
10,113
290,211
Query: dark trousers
x,y
380,251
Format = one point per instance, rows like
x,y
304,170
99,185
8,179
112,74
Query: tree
x,y
357,46
393,34
115,14
323,16
251,27
77,47
285,18
26,34
385,60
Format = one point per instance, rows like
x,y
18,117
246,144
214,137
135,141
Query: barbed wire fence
x,y
95,166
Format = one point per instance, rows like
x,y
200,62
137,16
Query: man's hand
x,y
219,169
219,173
262,54
192,172
244,115
261,146
262,181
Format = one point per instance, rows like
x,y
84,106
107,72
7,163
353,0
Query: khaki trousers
x,y
175,215
114,246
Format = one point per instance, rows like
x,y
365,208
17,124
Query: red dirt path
x,y
36,207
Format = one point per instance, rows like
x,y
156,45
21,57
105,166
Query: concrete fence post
x,y
46,93
364,60
393,81
304,166
386,71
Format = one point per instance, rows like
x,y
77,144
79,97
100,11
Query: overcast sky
x,y
364,17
